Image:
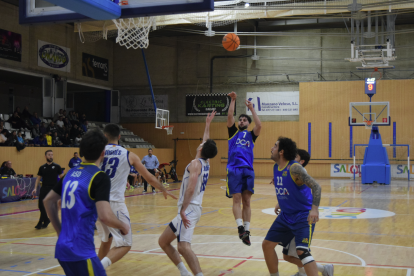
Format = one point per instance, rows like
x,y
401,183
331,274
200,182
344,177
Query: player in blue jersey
x,y
240,173
289,251
85,197
298,196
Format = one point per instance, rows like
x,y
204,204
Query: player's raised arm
x,y
230,117
135,161
195,170
257,123
301,177
209,119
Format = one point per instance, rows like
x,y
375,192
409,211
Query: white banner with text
x,y
274,103
141,105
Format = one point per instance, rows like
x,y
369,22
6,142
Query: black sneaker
x,y
242,232
246,240
46,224
39,225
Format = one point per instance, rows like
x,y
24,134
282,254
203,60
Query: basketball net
x,y
169,129
377,74
133,32
368,124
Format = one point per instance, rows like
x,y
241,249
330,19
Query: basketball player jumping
x,y
117,165
289,252
298,196
240,173
189,207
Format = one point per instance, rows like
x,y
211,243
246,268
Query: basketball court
x,y
366,211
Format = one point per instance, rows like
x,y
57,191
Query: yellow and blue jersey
x,y
295,201
79,214
241,146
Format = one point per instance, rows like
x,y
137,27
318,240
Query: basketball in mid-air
x,y
231,42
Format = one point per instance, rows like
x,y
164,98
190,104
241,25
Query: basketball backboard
x,y
376,113
41,11
162,118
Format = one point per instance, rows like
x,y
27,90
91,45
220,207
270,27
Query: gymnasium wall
x,y
30,159
321,103
181,65
59,34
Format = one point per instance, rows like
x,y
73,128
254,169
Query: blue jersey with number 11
x,y
295,201
75,242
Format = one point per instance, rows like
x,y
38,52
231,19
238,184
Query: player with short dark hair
x,y
85,197
189,206
298,196
240,173
49,172
75,161
289,251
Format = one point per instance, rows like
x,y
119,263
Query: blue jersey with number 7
x,y
241,150
78,209
116,166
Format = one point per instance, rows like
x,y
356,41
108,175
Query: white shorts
x,y
121,212
193,213
290,249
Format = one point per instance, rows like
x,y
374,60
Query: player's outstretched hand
x,y
167,193
125,229
313,216
249,104
232,95
210,117
185,220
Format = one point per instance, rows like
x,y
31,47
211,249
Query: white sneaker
x,y
153,191
329,270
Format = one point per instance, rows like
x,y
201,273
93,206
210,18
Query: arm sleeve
x,y
58,187
254,137
232,130
13,172
70,164
101,187
40,173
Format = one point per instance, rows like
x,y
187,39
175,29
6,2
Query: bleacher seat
x,y
49,121
28,135
6,117
7,126
1,117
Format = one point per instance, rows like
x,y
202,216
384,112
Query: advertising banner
x,y
53,56
141,105
202,104
95,67
346,170
274,103
10,45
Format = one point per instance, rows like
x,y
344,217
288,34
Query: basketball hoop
x,y
376,71
133,32
169,129
368,124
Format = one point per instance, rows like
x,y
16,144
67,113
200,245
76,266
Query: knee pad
x,y
306,257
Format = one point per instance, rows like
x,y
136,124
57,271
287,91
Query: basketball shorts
x,y
290,249
283,232
239,180
193,213
121,212
87,267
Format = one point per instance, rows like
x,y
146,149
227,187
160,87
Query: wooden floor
x,y
356,244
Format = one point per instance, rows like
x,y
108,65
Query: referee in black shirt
x,y
50,173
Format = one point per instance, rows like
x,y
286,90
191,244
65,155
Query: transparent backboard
x,y
162,118
378,113
41,11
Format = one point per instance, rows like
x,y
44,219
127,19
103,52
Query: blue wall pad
x,y
95,9
350,142
330,139
394,138
309,138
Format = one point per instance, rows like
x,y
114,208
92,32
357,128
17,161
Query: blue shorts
x,y
283,232
239,180
87,267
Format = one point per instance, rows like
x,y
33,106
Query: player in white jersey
x,y
117,165
189,207
289,252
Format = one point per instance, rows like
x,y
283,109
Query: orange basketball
x,y
230,42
